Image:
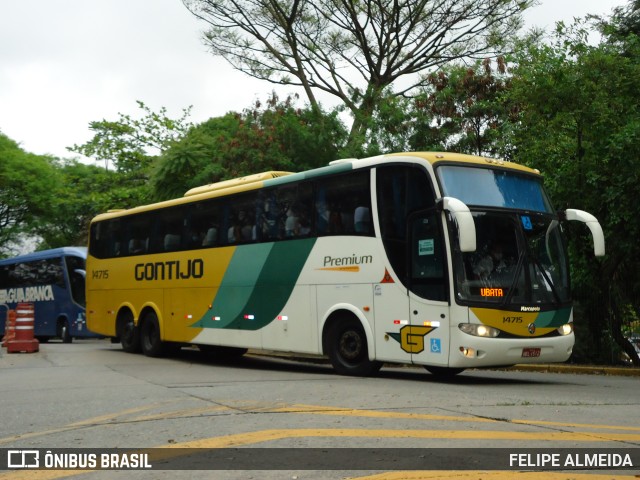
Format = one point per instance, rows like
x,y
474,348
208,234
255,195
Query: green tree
x,y
579,123
273,136
464,109
354,51
80,192
132,146
26,185
622,25
129,143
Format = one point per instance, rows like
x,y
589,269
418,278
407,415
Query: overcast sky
x,y
65,63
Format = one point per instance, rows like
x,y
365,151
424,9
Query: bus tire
x,y
63,331
150,339
128,333
443,372
347,348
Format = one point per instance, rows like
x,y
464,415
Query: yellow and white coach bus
x,y
438,259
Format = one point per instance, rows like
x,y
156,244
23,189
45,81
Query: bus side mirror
x,y
464,219
594,226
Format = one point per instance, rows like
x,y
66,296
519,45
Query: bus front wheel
x,y
444,372
348,350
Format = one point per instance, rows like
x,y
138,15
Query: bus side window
x,y
204,224
343,204
171,242
170,230
211,237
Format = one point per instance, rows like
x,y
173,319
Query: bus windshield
x,y
493,188
521,259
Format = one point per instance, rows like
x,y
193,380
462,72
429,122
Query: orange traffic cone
x,y
9,327
24,340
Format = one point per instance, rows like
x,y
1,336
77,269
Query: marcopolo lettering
x,y
529,309
171,270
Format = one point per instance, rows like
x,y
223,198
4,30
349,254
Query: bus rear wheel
x,y
348,350
150,340
128,333
63,331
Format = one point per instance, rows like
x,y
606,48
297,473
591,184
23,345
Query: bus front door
x,y
427,338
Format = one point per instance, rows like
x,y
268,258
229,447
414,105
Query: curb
x,y
579,369
544,368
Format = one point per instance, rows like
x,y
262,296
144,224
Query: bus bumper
x,y
468,351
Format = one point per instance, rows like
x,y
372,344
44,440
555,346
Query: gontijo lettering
x,y
171,270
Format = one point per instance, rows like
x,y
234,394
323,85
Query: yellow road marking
x,y
278,434
350,412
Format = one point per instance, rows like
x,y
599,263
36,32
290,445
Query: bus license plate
x,y
530,352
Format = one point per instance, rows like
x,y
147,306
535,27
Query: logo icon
x,y
532,328
23,459
411,337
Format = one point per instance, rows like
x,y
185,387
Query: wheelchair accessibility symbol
x,y
435,345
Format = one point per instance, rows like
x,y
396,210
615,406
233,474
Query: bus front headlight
x,y
479,330
566,329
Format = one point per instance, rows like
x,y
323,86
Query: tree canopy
x,y
275,135
26,181
352,50
579,123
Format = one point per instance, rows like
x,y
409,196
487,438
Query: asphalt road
x,y
92,395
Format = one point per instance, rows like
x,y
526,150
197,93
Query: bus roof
x,y
447,157
44,254
267,179
258,177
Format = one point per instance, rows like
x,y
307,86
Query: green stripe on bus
x,y
275,284
317,172
554,318
236,286
257,285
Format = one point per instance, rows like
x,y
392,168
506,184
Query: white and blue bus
x,y
54,281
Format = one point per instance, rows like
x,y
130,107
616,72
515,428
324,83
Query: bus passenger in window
x,y
269,220
292,223
491,262
305,226
136,246
322,219
335,219
246,226
211,237
194,238
362,219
